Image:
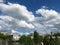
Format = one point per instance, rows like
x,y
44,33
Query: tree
x,y
36,38
6,38
51,39
29,41
46,40
1,36
26,40
22,39
57,34
57,40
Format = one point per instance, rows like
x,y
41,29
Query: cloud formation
x,y
17,11
14,23
50,19
16,16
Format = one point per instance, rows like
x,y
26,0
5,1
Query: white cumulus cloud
x,y
17,11
16,16
14,23
50,19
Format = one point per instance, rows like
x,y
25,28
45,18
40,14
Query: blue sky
x,y
33,5
45,13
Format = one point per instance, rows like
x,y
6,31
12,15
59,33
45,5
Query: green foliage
x,y
37,38
56,34
1,36
26,40
51,41
29,41
4,37
46,40
22,39
57,42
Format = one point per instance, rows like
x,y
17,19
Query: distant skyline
x,y
25,16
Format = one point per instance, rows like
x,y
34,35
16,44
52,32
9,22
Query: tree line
x,y
48,39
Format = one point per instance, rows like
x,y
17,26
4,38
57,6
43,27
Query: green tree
x,y
22,39
5,38
51,39
26,40
1,36
46,40
36,38
29,41
57,40
56,34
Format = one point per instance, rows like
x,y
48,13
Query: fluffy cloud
x,y
24,24
14,23
50,19
16,16
17,11
10,25
47,13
